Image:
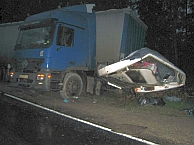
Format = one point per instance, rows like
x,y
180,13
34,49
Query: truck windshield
x,y
35,36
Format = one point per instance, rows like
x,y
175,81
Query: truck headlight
x,y
40,77
11,74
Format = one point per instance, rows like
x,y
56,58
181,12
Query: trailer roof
x,y
125,10
80,8
11,23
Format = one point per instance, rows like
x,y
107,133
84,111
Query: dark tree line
x,y
170,22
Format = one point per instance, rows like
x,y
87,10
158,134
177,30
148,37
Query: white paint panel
x,y
9,33
109,28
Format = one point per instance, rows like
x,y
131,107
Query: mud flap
x,y
90,85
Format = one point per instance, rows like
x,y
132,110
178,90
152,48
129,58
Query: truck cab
x,y
51,44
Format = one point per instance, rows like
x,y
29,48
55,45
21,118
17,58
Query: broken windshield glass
x,y
34,37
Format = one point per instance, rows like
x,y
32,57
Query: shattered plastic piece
x,y
75,97
144,101
172,98
190,111
95,101
65,101
151,101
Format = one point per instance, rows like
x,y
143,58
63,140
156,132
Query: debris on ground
x,y
65,101
75,97
151,101
95,101
172,98
190,111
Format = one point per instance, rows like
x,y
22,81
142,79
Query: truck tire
x,y
72,86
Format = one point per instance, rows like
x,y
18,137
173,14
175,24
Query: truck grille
x,y
28,65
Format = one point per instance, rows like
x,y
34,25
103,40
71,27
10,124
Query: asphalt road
x,y
25,124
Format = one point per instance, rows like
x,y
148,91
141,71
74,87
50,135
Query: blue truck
x,y
61,50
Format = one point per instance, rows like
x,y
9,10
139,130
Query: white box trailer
x,y
8,37
119,32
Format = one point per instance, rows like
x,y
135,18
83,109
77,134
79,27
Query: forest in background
x,y
170,23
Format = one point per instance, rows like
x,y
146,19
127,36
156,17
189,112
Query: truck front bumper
x,y
29,80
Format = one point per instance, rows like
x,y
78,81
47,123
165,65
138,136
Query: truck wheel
x,y
72,86
98,88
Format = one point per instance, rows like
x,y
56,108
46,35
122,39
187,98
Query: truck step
x,y
55,90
